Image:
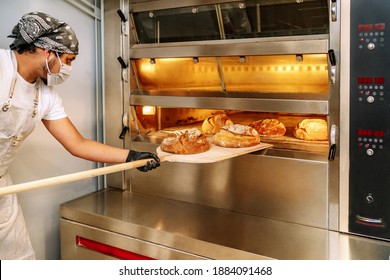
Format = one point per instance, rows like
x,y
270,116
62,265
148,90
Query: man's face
x,y
54,63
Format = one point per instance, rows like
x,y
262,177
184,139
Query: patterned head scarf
x,y
44,32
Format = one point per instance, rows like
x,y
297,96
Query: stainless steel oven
x,y
169,65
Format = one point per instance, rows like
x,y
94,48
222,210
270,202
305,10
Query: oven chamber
x,y
170,65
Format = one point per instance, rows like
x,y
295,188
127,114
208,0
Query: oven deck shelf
x,y
212,233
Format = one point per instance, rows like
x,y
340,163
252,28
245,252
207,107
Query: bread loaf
x,y
213,124
311,129
269,127
186,141
236,136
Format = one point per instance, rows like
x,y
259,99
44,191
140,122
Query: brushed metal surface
x,y
167,229
284,187
115,84
335,119
70,251
311,44
288,105
344,117
203,231
145,5
150,5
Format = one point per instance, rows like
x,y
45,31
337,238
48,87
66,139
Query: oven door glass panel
x,y
244,19
177,25
306,73
178,74
165,120
259,18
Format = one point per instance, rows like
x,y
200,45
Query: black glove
x,y
152,164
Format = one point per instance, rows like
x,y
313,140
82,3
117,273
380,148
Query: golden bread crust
x,y
269,127
311,130
187,141
213,124
236,136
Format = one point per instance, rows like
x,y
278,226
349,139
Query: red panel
x,y
108,250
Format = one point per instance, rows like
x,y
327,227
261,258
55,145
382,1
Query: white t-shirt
x,y
49,103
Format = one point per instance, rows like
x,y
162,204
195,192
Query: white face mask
x,y
60,77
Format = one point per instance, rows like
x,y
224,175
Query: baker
x,y
39,58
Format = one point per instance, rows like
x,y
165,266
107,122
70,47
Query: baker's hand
x,y
151,164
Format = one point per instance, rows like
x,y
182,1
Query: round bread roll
x,y
312,130
236,136
213,124
269,127
186,141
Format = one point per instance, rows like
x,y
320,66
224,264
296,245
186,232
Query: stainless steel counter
x,y
167,229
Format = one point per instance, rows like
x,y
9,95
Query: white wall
x,y
41,156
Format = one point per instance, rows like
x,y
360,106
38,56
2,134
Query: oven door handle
x,y
333,10
333,66
333,146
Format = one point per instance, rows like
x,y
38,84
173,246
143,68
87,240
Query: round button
x,y
371,46
370,152
370,99
369,198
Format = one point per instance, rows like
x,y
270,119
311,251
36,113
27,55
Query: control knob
x,y
371,46
369,198
370,152
370,99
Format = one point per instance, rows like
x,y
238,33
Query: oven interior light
x,y
148,110
242,5
242,59
152,61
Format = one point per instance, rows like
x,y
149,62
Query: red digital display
x,y
370,80
371,133
365,80
370,26
379,80
379,26
365,27
379,133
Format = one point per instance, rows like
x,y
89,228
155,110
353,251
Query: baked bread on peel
x,y
236,136
213,124
269,127
186,141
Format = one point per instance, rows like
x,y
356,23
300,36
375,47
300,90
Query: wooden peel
x,y
72,177
215,154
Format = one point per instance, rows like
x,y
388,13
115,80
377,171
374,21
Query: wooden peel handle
x,y
72,177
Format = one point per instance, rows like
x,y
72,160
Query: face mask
x,y
60,77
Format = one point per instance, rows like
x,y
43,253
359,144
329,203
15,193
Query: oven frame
x,y
109,215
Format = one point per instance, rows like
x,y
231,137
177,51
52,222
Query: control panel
x,y
371,35
371,89
369,189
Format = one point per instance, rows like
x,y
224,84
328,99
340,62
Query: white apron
x,y
16,124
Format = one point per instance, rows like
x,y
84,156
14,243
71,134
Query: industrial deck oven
x,y
169,65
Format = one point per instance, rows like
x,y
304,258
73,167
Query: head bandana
x,y
44,32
